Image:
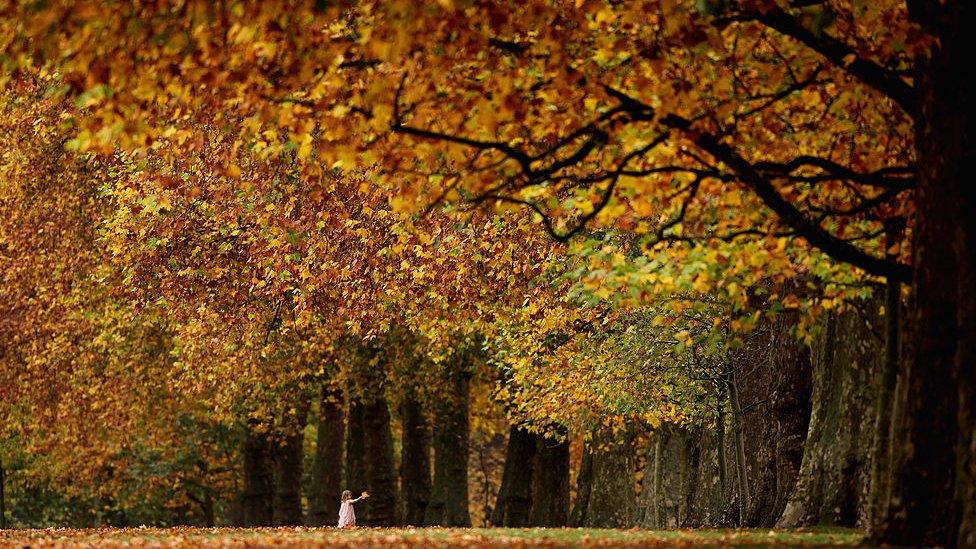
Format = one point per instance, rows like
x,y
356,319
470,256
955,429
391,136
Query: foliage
x,y
226,205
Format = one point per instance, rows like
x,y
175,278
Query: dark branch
x,y
895,178
884,80
813,233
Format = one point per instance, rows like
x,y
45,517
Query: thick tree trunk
x,y
769,399
288,481
550,483
206,504
668,491
326,474
790,403
414,462
355,469
515,495
612,496
886,385
833,483
289,454
381,477
209,515
258,480
584,486
933,490
449,499
453,444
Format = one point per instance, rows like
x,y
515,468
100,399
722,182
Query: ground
x,y
422,537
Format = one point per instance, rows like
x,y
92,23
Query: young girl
x,y
347,515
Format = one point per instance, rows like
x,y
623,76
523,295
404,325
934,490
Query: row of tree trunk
x,y
795,443
796,440
534,489
354,451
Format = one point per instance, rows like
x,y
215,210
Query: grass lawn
x,y
423,537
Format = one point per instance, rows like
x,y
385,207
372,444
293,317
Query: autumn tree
x,y
833,129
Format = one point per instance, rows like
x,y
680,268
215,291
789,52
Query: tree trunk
x,y
515,495
206,503
723,463
657,482
289,455
792,384
453,444
833,483
355,470
584,486
381,477
886,385
414,462
612,497
288,481
550,483
326,474
449,500
434,515
669,489
741,468
258,480
933,490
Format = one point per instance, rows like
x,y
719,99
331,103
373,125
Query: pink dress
x,y
347,515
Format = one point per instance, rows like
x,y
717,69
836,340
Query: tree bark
x,y
515,495
454,444
326,474
258,480
414,462
289,455
449,500
833,483
933,490
669,489
790,403
612,498
355,470
741,468
657,482
584,486
886,385
381,477
550,483
434,515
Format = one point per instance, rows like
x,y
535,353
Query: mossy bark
x,y
612,498
668,489
833,486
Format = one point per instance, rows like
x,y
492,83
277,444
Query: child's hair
x,y
346,494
